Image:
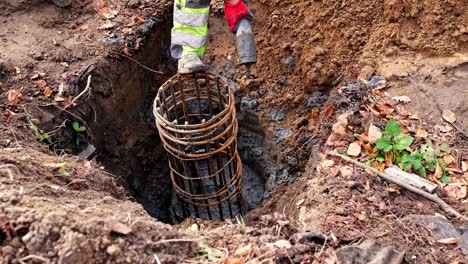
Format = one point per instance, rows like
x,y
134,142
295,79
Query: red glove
x,y
234,13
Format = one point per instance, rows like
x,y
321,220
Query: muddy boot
x,y
190,64
62,3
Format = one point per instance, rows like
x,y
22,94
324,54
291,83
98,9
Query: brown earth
x,y
84,214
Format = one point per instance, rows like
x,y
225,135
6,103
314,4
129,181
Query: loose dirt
x,y
60,208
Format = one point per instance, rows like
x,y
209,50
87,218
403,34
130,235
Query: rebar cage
x,y
196,119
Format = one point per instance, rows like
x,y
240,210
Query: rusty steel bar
x,y
196,119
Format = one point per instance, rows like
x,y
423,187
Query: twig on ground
x,y
176,240
34,257
430,97
88,84
139,64
157,259
432,197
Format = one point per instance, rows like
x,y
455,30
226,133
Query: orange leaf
x,y
55,165
314,116
368,147
40,83
9,115
388,160
47,91
233,261
381,166
140,20
329,111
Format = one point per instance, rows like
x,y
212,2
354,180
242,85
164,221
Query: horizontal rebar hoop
x,y
196,119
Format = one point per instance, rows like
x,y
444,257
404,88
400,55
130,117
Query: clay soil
x,y
58,207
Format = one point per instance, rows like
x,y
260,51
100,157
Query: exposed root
x,y
35,258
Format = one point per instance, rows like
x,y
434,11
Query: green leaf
x,y
445,179
380,159
383,144
403,142
76,126
64,172
393,128
422,171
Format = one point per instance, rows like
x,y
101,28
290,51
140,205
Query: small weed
x,y
79,130
39,134
427,158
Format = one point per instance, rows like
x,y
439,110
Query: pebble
x,y
250,103
316,99
366,73
282,133
113,250
289,61
276,115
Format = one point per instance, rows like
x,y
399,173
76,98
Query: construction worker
x,y
190,32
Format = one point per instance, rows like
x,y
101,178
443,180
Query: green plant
x,y
426,158
39,134
79,129
393,142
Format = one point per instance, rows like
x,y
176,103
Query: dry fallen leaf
x,y
374,134
456,191
346,171
40,83
449,159
404,99
280,244
244,251
17,70
354,149
107,25
47,91
438,173
118,227
465,165
388,159
13,97
107,12
449,116
450,240
58,98
421,133
9,115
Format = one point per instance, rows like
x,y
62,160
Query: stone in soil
x,y
281,134
276,114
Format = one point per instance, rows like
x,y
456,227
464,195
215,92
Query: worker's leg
x,y
239,17
189,34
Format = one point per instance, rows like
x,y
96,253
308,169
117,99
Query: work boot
x,y
190,64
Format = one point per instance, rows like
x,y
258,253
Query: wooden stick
x,y
432,197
